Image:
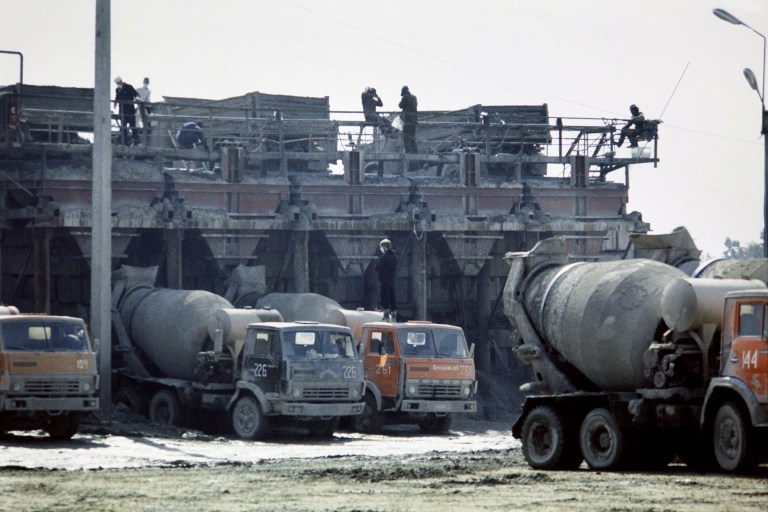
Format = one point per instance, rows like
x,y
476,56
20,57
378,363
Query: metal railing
x,y
305,140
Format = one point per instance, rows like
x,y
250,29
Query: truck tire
x,y
165,409
732,440
436,424
371,420
324,428
248,421
547,443
63,426
602,442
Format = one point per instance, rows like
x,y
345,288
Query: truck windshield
x,y
318,344
43,335
432,342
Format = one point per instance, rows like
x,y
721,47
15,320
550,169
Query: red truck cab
x,y
415,372
736,403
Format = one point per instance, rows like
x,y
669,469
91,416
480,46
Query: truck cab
x,y
303,371
736,403
48,373
415,372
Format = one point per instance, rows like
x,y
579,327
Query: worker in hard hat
x,y
125,96
386,266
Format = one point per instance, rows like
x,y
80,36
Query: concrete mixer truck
x,y
181,351
634,362
415,372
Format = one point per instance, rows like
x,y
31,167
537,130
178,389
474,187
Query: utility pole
x,y
101,199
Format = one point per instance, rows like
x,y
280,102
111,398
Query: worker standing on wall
x,y
125,95
409,106
386,266
144,108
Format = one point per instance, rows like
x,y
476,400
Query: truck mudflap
x,y
32,403
310,409
438,406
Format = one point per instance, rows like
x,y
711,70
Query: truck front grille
x,y
439,390
52,387
325,393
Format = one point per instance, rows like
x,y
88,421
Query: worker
x,y
638,122
409,106
190,135
370,101
386,266
125,95
144,107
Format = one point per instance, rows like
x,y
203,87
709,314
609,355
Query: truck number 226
x,y
260,370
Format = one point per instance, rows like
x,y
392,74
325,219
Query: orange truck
x,y
48,373
415,372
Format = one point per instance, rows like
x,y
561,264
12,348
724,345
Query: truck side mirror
x,y
382,348
472,351
96,344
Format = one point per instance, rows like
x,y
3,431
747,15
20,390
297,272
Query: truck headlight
x,y
412,389
17,386
296,393
86,387
466,390
355,393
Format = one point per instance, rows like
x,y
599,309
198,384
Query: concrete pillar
x,y
418,276
173,258
300,239
485,299
42,270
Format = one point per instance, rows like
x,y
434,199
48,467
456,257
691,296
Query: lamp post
x,y
752,80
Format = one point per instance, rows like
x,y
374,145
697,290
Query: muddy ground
x,y
478,466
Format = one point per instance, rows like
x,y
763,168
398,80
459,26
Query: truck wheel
x,y
324,428
371,420
436,424
248,421
601,440
63,426
546,443
732,440
165,409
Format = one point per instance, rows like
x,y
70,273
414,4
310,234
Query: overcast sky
x,y
589,58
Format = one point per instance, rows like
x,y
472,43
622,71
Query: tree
x,y
734,249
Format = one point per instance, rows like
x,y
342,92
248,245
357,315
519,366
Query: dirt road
x,y
477,467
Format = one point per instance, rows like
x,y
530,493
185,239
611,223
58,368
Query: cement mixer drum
x,y
601,316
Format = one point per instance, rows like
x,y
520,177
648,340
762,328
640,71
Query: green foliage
x,y
734,249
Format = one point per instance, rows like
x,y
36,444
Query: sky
x,y
583,58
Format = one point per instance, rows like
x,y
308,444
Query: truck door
x,y
261,359
748,357
380,360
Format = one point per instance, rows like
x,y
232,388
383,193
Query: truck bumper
x,y
438,406
32,403
309,409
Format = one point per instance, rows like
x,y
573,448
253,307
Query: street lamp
x,y
752,80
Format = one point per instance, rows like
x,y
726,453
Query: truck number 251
x,y
260,370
